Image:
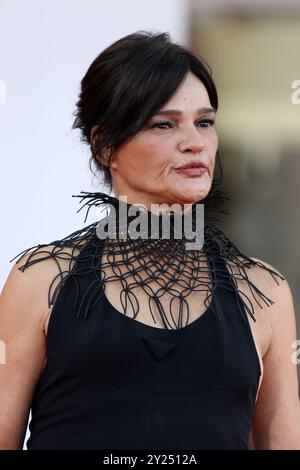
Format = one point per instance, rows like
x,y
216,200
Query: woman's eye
x,y
162,124
210,122
205,123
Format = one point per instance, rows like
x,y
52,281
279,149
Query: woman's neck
x,y
157,208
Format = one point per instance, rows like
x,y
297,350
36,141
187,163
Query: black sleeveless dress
x,y
112,382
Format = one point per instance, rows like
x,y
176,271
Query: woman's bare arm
x,y
23,309
276,420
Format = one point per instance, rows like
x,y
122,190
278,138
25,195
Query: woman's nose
x,y
192,140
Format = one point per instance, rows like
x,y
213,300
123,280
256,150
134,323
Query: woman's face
x,y
144,167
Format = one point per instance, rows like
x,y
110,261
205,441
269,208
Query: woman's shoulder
x,y
260,284
32,275
276,303
40,269
273,281
266,291
282,312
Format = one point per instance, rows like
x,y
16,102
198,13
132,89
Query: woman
x,y
139,342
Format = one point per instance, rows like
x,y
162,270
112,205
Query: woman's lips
x,y
196,171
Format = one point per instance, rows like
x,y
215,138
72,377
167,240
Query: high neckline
x,y
163,262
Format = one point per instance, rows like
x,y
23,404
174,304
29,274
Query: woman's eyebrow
x,y
166,112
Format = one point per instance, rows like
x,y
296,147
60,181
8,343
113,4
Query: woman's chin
x,y
189,194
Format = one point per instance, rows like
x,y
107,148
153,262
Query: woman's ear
x,y
93,136
103,159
